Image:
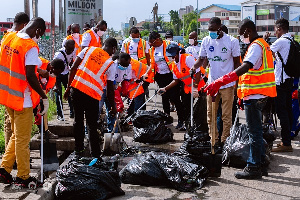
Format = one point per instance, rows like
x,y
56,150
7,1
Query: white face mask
x,y
100,33
36,39
169,39
75,35
191,41
245,40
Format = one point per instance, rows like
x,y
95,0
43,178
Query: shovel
x,y
112,141
49,159
212,161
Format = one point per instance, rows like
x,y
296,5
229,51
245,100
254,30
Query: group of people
x,y
91,70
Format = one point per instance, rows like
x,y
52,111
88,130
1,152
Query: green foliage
x,y
175,22
2,140
202,35
146,25
145,33
297,38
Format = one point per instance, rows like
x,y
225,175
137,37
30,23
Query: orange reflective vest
x,y
51,81
90,77
169,42
77,46
12,72
261,81
153,69
94,42
141,50
139,69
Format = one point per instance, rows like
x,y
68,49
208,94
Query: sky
x,y
114,11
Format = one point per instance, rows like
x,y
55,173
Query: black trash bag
x,y
269,135
157,168
237,147
154,133
144,118
199,115
77,180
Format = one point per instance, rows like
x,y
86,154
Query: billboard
x,y
82,11
294,13
248,12
281,12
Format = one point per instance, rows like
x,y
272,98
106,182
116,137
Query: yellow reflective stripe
x,y
261,72
140,69
265,63
12,73
11,91
257,86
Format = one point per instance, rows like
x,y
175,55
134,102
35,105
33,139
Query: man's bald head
x,y
69,46
35,28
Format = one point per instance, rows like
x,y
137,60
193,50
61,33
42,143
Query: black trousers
x,y
171,95
283,103
84,105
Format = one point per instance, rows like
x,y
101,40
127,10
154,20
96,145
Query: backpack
x,y
292,66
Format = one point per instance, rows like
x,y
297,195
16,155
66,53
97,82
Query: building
x,y
264,13
230,16
186,10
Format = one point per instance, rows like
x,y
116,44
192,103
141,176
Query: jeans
x,y
62,79
253,108
87,106
283,104
171,95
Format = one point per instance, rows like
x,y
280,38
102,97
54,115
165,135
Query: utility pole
x,y
27,7
52,27
197,18
61,26
35,9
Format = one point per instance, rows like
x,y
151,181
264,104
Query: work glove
x,y
46,106
214,87
161,91
195,92
241,104
295,94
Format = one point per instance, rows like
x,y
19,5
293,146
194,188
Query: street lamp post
x,y
197,17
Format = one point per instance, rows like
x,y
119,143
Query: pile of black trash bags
x,y
78,180
237,146
150,127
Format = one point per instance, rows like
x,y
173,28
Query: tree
x,y
175,22
145,33
146,26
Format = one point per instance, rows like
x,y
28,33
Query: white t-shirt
x,y
121,75
31,58
59,55
110,72
193,50
86,38
254,56
220,54
281,45
162,67
76,41
133,47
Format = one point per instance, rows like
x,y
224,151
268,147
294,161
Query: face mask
x,y
171,59
191,41
121,67
135,40
169,39
35,39
213,34
245,40
100,33
75,35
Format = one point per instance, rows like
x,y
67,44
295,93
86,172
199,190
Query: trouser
x,y
227,95
253,108
136,104
186,101
18,145
84,105
62,79
283,104
171,95
7,128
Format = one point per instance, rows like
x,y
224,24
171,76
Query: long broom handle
x,y
42,149
192,101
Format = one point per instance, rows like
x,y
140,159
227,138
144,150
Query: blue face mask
x,y
213,34
135,40
121,67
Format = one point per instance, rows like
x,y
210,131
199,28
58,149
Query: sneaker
x,y
283,149
31,183
179,125
60,118
51,135
5,177
249,173
279,144
183,128
264,171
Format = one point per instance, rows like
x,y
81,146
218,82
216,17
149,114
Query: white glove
x,y
46,106
161,91
195,92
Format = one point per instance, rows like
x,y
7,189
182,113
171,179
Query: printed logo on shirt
x,y
217,59
124,76
211,48
224,50
183,70
130,48
141,48
116,76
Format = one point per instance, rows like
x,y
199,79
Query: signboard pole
x,y
52,27
27,7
